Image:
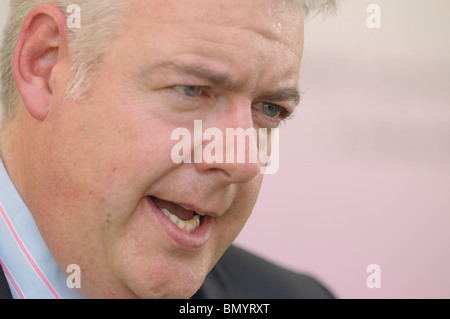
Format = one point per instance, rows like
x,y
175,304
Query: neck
x,y
16,151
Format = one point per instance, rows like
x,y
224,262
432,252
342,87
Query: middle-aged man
x,y
86,142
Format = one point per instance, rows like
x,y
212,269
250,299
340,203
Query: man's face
x,y
106,162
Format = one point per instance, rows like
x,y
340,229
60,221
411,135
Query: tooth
x,y
166,212
197,221
193,224
174,218
188,226
181,224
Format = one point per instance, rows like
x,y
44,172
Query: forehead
x,y
247,35
238,12
277,20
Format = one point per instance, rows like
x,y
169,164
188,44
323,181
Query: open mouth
x,y
183,217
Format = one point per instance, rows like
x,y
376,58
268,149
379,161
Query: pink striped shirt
x,y
29,267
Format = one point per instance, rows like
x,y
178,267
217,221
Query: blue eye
x,y
269,109
190,91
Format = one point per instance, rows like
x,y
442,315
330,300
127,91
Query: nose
x,y
228,148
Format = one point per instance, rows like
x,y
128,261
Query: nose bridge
x,y
230,144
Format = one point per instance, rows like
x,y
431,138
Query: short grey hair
x,y
101,22
310,7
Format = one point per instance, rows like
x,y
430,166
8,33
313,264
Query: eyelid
x,y
179,89
284,111
267,121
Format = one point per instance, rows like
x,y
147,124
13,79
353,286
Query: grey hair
x,y
100,24
311,7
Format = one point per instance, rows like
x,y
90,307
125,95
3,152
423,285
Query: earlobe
x,y
38,50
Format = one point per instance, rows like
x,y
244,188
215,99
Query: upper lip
x,y
189,206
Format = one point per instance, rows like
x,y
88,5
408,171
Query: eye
x,y
190,91
269,109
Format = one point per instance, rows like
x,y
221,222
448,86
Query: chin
x,y
168,279
168,288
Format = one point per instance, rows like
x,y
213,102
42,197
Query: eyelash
x,y
179,89
283,112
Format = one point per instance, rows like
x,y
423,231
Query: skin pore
x,y
88,170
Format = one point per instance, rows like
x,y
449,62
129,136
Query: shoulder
x,y
242,275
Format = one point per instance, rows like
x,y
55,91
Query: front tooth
x,y
188,226
174,218
181,224
166,212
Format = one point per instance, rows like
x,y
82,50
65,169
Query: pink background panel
x,y
365,164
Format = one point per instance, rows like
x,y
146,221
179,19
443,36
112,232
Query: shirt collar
x,y
29,267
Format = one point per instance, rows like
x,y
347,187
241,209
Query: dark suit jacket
x,y
241,275
5,293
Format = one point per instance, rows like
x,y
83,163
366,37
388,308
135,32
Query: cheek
x,y
104,144
230,224
246,199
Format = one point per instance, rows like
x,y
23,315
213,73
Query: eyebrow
x,y
285,94
195,70
219,79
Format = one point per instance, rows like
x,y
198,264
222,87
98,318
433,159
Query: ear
x,y
41,45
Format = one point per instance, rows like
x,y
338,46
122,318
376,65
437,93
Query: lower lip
x,y
182,239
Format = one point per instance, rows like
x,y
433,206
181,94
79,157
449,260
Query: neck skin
x,y
17,149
